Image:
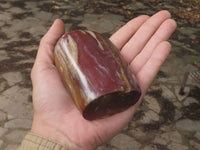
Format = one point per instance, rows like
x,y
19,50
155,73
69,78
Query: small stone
x,y
27,23
188,125
68,26
162,80
15,10
5,5
137,133
31,5
18,123
152,103
13,77
2,131
167,137
172,100
189,68
14,107
169,86
10,117
175,137
160,140
28,61
5,16
179,96
17,94
43,16
176,146
141,136
125,142
2,85
149,147
177,115
3,55
36,32
1,143
165,128
149,117
190,100
155,88
167,93
3,116
11,147
102,23
194,144
197,135
187,30
135,6
16,136
177,104
172,80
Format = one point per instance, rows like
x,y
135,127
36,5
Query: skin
x,y
142,42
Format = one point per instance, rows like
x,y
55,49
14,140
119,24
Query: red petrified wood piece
x,y
94,72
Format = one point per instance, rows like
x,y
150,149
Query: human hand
x,y
142,42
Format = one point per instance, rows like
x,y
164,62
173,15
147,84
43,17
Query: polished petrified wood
x,y
99,80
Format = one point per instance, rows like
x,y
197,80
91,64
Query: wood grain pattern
x,y
97,76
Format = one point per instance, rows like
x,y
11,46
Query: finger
x,y
48,42
146,75
44,59
141,37
162,34
124,33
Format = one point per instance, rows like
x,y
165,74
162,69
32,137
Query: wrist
x,y
36,141
53,133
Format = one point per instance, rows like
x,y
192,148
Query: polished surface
x,y
95,74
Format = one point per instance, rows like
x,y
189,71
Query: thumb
x,y
45,55
48,42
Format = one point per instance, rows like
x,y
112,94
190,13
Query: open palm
x,y
142,42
